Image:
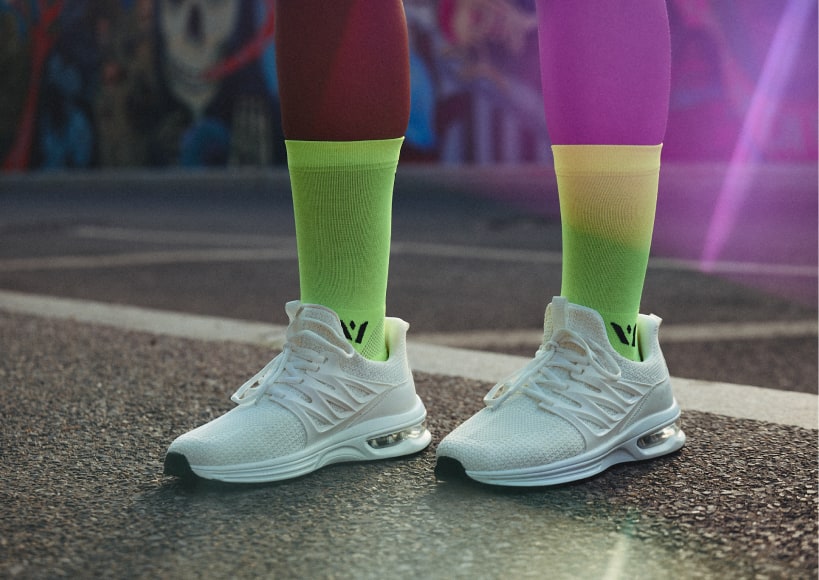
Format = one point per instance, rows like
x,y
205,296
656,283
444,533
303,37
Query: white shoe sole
x,y
653,436
381,438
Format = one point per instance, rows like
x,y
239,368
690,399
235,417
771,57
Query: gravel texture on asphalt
x,y
88,411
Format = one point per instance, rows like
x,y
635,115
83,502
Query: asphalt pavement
x,y
104,278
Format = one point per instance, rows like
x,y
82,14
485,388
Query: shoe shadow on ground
x,y
344,514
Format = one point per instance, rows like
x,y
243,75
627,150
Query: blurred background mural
x,y
148,83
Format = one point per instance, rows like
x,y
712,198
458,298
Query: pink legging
x,y
605,67
343,69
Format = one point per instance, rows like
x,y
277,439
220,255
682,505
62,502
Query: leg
x,y
606,76
606,71
343,69
598,391
341,390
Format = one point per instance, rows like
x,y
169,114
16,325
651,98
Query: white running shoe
x,y
575,410
318,402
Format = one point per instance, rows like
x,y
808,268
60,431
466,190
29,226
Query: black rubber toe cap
x,y
177,465
447,468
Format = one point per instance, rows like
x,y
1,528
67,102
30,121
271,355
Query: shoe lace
x,y
287,370
566,358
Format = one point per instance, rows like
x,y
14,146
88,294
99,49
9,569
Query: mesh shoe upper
x,y
574,395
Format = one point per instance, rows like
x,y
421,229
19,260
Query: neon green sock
x,y
342,197
608,197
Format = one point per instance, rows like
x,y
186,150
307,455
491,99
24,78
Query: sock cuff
x,y
606,159
329,155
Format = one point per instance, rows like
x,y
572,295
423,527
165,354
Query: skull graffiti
x,y
195,35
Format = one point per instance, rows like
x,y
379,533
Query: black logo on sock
x,y
362,328
627,336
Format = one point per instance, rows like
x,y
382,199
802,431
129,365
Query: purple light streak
x,y
756,126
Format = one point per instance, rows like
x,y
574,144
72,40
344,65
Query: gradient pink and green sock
x,y
605,68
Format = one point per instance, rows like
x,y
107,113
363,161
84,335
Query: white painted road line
x,y
749,268
741,401
179,237
398,248
133,259
197,327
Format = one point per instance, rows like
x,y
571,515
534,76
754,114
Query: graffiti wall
x,y
150,83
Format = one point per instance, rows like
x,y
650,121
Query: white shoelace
x,y
540,380
285,370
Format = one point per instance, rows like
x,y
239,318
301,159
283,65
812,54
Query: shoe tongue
x,y
317,319
562,315
555,317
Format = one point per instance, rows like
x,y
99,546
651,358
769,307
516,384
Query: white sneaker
x,y
572,412
316,403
